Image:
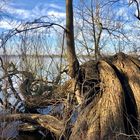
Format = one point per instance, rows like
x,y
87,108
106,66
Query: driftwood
x,y
46,121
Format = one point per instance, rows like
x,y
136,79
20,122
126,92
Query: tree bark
x,y
130,69
113,111
103,117
46,121
71,54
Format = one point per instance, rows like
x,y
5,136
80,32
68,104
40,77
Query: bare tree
x,y
98,25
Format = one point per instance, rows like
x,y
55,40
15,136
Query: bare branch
x,y
28,26
46,121
137,8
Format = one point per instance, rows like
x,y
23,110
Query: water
x,y
42,65
9,130
9,97
46,66
52,109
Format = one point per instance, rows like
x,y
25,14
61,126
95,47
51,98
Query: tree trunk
x,y
99,120
130,69
114,113
71,54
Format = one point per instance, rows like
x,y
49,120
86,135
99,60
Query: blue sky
x,y
28,10
17,11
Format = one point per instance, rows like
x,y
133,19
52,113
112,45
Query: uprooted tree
x,y
110,103
106,92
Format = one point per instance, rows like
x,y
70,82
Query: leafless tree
x,y
98,25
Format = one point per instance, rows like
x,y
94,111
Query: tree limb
x,y
46,121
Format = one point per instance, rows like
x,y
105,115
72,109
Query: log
x,y
28,127
46,121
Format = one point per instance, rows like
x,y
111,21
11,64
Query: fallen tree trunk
x,y
103,117
46,121
114,112
130,69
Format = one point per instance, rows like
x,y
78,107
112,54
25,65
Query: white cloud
x,y
55,6
24,14
56,14
5,25
8,24
19,14
36,12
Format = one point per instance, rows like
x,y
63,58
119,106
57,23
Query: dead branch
x,y
46,121
137,4
28,26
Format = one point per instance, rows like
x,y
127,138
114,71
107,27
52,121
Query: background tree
x,y
99,25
